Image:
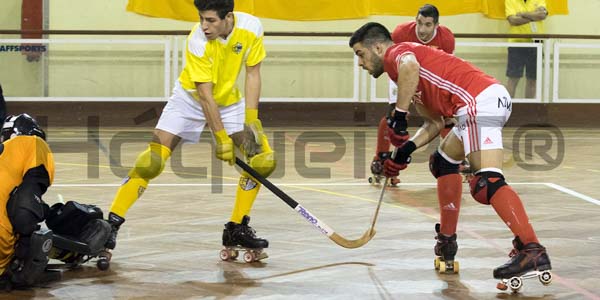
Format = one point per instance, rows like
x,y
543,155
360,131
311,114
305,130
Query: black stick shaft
x,y
287,199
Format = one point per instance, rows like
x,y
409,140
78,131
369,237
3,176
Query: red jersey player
x,y
451,87
425,30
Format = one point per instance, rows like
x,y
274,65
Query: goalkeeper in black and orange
x,y
26,172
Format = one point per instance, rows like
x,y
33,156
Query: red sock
x,y
509,207
383,142
449,189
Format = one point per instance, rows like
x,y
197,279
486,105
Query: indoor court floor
x,y
169,246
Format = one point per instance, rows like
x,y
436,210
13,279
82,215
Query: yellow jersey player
x,y
27,170
206,93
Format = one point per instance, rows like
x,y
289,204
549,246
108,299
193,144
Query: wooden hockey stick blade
x,y
352,244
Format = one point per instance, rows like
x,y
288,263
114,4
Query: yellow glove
x,y
224,149
251,115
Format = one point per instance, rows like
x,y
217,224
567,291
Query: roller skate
x,y
104,257
465,169
527,261
377,170
445,250
241,237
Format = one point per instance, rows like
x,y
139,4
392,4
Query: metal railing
x,y
363,89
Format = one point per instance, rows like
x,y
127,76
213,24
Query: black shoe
x,y
524,258
446,246
115,222
242,235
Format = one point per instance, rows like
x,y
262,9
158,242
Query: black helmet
x,y
22,124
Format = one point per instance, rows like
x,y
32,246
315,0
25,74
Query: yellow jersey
x,y
17,156
220,61
513,7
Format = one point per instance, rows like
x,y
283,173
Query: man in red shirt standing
x,y
451,87
426,30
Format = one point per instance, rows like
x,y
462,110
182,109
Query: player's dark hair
x,y
429,10
222,7
370,33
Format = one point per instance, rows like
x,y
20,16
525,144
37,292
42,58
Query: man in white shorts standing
x,y
452,87
206,93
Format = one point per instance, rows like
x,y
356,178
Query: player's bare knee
x,y
485,184
440,166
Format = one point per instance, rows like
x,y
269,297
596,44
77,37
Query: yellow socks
x,y
247,191
148,165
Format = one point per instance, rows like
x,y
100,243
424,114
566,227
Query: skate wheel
x,y
436,263
371,180
224,254
455,270
545,277
515,284
501,286
442,267
103,264
249,257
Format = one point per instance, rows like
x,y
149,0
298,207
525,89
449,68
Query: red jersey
x,y
446,82
442,39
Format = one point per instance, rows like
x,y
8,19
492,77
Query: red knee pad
x,y
484,185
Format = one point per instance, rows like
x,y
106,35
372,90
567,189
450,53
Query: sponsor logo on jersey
x,y
505,102
237,48
488,141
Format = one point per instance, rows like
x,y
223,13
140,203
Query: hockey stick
x,y
320,225
385,183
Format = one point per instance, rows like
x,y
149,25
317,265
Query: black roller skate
x,y
238,237
105,256
377,170
526,261
115,222
445,250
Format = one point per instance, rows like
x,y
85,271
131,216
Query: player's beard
x,y
377,67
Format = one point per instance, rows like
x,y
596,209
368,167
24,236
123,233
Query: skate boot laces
x,y
533,254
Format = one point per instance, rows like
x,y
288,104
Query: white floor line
x,y
548,184
573,193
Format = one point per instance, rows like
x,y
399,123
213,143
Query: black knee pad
x,y
439,166
484,185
